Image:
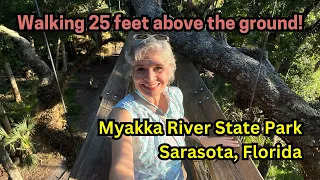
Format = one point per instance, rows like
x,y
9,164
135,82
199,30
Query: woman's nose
x,y
150,75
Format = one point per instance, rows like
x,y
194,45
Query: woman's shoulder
x,y
120,115
128,99
130,104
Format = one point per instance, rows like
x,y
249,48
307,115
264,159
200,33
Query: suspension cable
x,y
260,64
52,63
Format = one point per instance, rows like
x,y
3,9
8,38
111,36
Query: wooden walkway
x,y
94,159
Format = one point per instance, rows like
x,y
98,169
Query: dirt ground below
x,y
52,165
87,96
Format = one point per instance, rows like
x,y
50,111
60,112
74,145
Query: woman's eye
x,y
140,69
159,68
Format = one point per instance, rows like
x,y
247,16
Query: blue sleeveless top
x,y
147,165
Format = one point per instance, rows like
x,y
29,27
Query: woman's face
x,y
151,75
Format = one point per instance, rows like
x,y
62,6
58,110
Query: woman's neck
x,y
159,101
154,100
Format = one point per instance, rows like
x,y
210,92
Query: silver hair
x,y
140,48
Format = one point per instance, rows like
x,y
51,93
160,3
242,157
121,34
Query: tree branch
x,y
309,8
199,12
28,54
47,93
312,28
258,55
8,165
316,67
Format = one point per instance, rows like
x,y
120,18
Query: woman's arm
x,y
214,141
122,154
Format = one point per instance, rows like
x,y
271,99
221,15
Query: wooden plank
x,y
201,106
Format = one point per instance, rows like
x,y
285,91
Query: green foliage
x,y
280,169
73,107
30,160
287,169
261,139
9,52
20,137
294,54
17,111
8,49
301,76
19,140
10,8
3,134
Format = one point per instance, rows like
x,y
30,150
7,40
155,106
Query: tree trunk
x,y
5,120
57,55
13,82
48,93
8,165
64,57
31,40
29,55
273,96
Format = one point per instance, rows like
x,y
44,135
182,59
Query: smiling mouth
x,y
151,87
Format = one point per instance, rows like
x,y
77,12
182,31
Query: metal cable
x,y
54,69
260,64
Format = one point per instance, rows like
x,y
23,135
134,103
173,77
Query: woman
x,y
153,66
